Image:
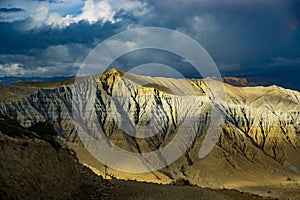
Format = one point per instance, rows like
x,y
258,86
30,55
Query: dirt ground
x,y
32,169
148,191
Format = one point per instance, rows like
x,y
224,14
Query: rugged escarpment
x,y
259,143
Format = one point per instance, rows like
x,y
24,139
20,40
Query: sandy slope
x,y
31,168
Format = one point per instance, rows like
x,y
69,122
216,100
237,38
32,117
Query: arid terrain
x,y
32,168
258,150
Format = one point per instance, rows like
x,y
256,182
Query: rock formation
x,y
259,139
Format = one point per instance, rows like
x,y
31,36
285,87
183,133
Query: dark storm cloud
x,y
15,42
10,10
244,33
242,36
50,51
149,55
58,60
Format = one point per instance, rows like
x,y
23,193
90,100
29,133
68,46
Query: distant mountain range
x,y
13,79
285,78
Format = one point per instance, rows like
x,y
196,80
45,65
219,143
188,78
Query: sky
x,y
48,38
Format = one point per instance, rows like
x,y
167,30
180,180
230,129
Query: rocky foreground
x,y
259,146
33,167
37,167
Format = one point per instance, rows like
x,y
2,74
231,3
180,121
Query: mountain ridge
x,y
261,129
231,80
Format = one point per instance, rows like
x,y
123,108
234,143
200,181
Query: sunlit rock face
x,y
260,134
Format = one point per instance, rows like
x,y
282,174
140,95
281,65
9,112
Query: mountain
x,y
37,165
238,81
14,79
258,150
285,77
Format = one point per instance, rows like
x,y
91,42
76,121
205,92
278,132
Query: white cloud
x,y
56,60
95,11
12,69
20,70
103,10
38,15
62,14
11,17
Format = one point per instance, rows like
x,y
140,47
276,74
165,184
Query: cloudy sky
x,y
244,37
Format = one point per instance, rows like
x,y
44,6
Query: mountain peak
x,y
114,71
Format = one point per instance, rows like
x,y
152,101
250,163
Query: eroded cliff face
x,y
261,128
